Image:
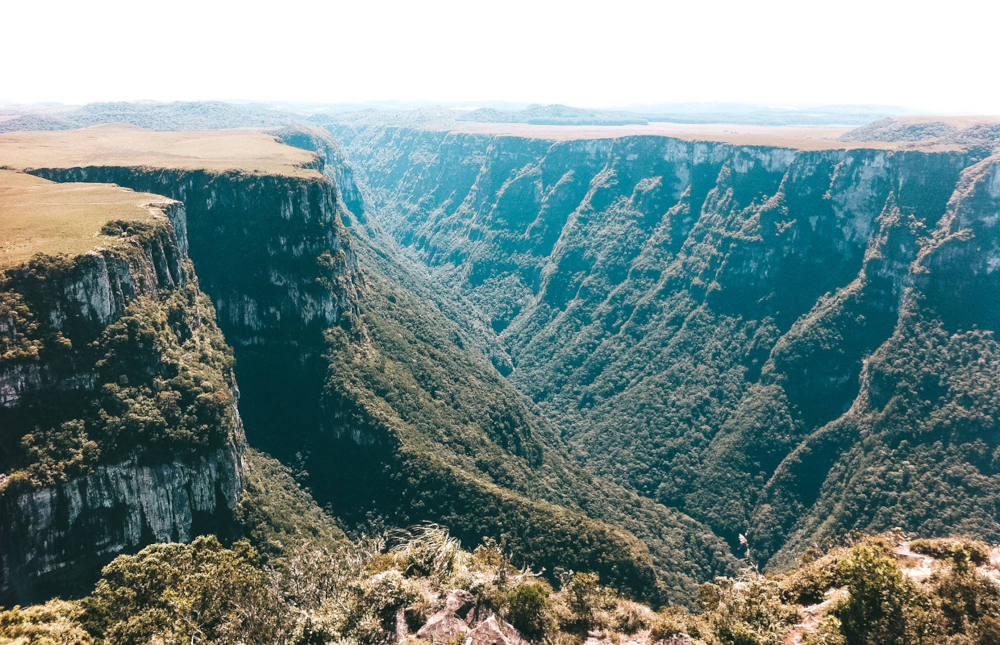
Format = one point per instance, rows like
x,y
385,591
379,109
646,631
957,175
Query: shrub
x,y
54,623
182,593
372,605
582,597
883,606
808,583
747,610
671,621
965,598
828,632
427,551
527,609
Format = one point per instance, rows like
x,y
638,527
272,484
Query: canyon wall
x,y
96,347
698,317
278,263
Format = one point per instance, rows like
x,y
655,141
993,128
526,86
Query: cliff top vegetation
x,y
40,216
126,145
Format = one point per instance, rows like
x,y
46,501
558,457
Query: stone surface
x,y
53,538
280,268
443,627
451,622
494,632
459,602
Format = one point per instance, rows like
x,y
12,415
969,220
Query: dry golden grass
x,y
40,216
801,138
125,145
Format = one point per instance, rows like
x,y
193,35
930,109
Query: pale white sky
x,y
939,56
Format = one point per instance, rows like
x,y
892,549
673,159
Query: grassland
x,y
797,137
40,216
125,145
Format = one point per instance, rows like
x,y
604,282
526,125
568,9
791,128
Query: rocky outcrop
x,y
77,298
451,623
54,540
354,206
494,632
269,249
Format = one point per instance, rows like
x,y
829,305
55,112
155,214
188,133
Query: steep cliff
x,y
271,252
118,407
696,317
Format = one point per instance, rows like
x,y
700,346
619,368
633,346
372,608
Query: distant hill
x,y
553,115
964,131
186,115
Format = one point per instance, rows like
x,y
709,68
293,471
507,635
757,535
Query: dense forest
x,y
767,340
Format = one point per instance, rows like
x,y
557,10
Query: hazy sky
x,y
938,56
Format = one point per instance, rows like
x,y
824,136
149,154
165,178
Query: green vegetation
x,y
740,334
695,351
526,607
183,592
977,551
433,430
162,389
881,604
919,453
277,515
57,622
383,588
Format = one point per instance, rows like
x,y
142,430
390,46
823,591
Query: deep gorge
x,y
643,345
709,324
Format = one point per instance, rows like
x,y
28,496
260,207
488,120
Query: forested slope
x,y
776,342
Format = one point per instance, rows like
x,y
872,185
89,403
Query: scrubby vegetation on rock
x,y
162,387
419,586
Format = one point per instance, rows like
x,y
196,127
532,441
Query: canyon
x,y
619,354
716,325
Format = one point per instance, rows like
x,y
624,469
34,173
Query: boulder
x,y
676,639
449,624
494,632
443,628
459,602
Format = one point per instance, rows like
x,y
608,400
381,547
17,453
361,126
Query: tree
x,y
194,593
883,606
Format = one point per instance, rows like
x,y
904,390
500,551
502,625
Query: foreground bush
x,y
383,589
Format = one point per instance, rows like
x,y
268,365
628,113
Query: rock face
x,y
56,539
256,242
494,632
721,322
451,623
81,298
278,263
273,255
55,536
